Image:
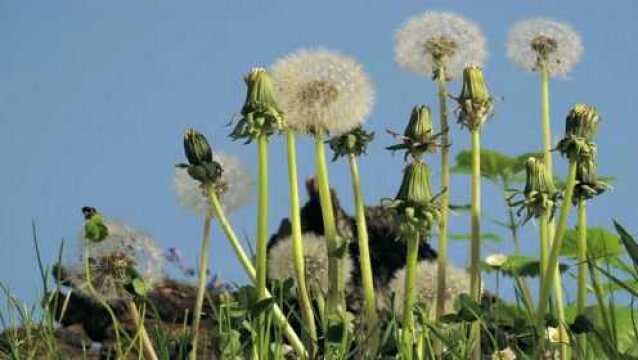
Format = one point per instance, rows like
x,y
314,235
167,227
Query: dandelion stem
x,y
335,268
475,251
146,341
547,128
101,301
544,245
364,256
410,295
262,238
445,187
297,244
551,270
245,261
203,269
581,296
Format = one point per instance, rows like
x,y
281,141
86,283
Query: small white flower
x,y
321,90
236,186
531,39
281,263
496,260
112,259
457,282
505,354
554,335
454,39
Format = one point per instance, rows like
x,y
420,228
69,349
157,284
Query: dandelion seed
x,y
234,186
439,36
123,252
536,41
458,282
282,267
321,90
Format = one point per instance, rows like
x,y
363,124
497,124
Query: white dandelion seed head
x,y
281,264
457,282
123,249
321,90
236,186
559,41
505,354
456,40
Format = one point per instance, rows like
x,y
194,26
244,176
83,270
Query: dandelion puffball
x,y
281,265
439,36
235,186
321,90
531,40
457,282
112,259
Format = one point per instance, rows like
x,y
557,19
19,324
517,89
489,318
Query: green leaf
x,y
487,236
262,306
140,287
494,165
630,286
520,162
520,265
601,243
629,242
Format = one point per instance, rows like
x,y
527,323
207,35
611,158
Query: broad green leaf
x,y
629,242
601,243
520,265
487,236
520,161
494,165
262,306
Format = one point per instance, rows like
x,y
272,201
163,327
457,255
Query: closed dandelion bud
x,y
420,125
538,180
475,102
196,147
415,187
540,195
582,121
353,142
588,185
94,228
260,113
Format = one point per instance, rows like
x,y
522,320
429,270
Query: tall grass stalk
x,y
364,257
297,245
475,251
203,270
279,316
147,345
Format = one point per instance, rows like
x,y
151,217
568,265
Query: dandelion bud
x,y
420,125
538,180
582,121
260,113
94,228
475,102
587,184
196,147
353,142
540,195
415,187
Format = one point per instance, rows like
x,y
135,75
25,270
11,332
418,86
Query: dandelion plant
x,y
577,147
323,92
261,118
475,105
439,44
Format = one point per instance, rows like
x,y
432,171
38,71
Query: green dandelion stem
x,y
103,303
544,244
202,276
547,127
335,268
280,317
410,295
445,187
364,254
475,251
297,243
145,340
550,270
581,297
262,217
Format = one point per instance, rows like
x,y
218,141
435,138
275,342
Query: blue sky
x,y
94,97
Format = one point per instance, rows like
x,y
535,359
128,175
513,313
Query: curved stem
x,y
410,295
581,297
475,252
551,269
335,269
297,244
105,305
146,341
445,186
203,269
364,256
245,261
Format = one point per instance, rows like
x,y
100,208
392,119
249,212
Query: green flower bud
x,y
418,137
537,181
582,121
415,187
353,142
540,195
196,147
587,184
475,102
94,228
260,113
